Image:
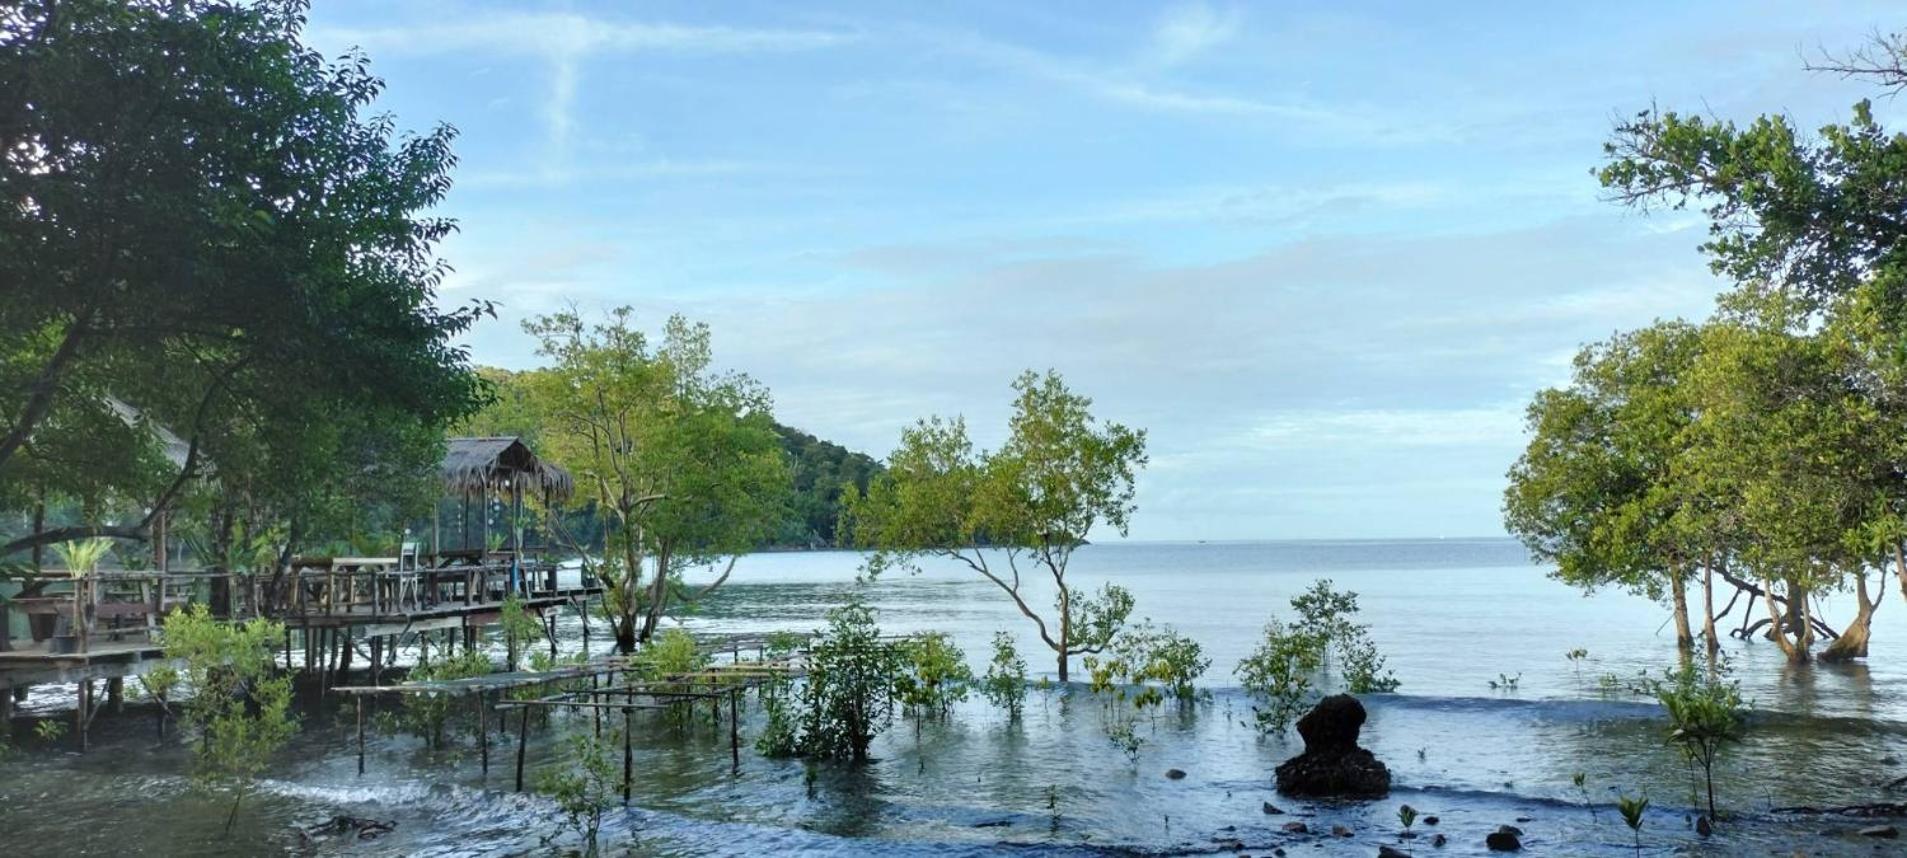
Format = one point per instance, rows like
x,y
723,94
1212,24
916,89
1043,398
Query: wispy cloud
x,y
551,34
1185,31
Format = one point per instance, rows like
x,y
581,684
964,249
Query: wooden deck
x,y
30,662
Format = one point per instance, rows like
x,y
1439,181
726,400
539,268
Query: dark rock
x,y
1702,826
1439,840
1175,774
1278,852
1886,831
1340,831
1295,827
1431,820
1503,841
1391,852
1523,819
1272,809
1332,764
1231,843
994,823
1511,829
1228,828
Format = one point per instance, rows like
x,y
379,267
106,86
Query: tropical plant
x,y
427,714
587,784
848,697
934,674
1292,663
1581,781
82,557
240,709
1031,503
1407,815
1005,682
1705,713
1632,810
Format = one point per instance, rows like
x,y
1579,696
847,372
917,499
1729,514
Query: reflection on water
x,y
1451,614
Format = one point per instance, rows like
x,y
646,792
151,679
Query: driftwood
x,y
1877,809
366,829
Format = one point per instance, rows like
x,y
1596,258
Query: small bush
x,y
1291,664
1005,682
935,674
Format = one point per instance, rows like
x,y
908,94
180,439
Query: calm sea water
x,y
1452,615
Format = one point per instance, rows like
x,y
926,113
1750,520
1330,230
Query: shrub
x,y
240,707
1705,712
848,697
935,674
589,785
1005,682
427,714
1291,664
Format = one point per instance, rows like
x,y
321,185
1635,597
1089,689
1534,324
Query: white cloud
x,y
553,34
1188,30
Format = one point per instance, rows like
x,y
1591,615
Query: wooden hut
x,y
501,467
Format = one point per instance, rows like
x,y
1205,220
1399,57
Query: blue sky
x,y
1324,252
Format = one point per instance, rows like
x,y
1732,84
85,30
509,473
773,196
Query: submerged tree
x,y
1024,507
849,693
1291,665
240,709
683,461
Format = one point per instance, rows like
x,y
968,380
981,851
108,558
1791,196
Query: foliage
x,y
84,556
1033,501
1632,810
520,627
1705,712
588,785
682,461
1121,732
1278,675
1148,664
848,697
427,714
1407,816
1581,781
934,674
825,475
240,708
259,224
1004,684
49,729
1291,663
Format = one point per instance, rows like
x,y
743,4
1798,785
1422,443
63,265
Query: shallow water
x,y
1451,614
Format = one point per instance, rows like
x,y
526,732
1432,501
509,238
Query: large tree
x,y
680,459
1596,491
197,218
1031,503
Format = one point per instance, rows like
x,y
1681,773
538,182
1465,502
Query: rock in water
x,y
1883,831
1503,841
1332,765
1391,852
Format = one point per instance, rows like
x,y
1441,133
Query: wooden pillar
x,y
735,729
116,695
483,519
550,620
80,719
483,732
465,520
360,698
627,753
522,741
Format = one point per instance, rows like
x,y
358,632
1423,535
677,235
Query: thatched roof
x,y
501,465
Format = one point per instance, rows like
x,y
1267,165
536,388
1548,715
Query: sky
x,y
1323,253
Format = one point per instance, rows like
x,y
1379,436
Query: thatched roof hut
x,y
501,466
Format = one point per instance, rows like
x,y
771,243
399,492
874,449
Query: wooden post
x,y
85,703
628,756
597,711
550,618
360,698
522,740
735,729
116,695
483,732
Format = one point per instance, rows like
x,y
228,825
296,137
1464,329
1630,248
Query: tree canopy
x,y
1035,500
202,221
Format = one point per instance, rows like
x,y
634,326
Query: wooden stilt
x,y
483,732
80,714
360,698
522,742
628,754
116,695
735,729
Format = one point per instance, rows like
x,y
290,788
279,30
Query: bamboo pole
x,y
522,740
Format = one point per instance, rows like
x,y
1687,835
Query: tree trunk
x,y
1708,608
1778,630
41,392
1852,643
1065,631
1678,590
1900,568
